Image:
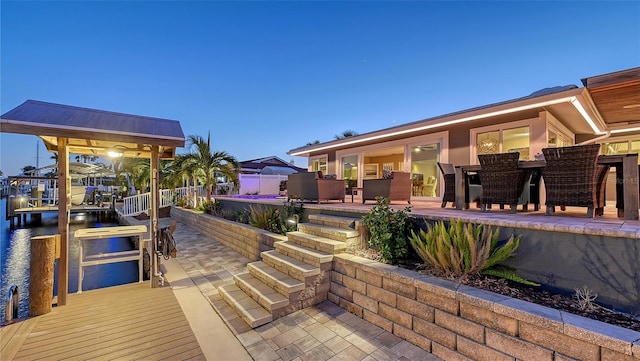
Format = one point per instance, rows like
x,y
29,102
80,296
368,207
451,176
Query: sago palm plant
x,y
462,248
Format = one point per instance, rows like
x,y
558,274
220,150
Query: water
x,y
15,257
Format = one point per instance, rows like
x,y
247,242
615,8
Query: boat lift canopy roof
x,y
94,132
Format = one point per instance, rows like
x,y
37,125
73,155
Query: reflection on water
x,y
15,258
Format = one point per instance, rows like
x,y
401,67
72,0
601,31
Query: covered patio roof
x,y
92,131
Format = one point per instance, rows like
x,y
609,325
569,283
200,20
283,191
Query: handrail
x,y
11,310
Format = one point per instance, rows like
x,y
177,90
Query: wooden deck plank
x,y
110,323
13,337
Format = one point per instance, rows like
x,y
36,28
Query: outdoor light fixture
x,y
294,220
116,152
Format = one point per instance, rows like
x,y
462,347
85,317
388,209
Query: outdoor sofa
x,y
395,186
314,186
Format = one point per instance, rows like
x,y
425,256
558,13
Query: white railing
x,y
140,203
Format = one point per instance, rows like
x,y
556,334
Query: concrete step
x,y
248,309
335,221
303,254
266,296
279,281
290,266
316,242
330,232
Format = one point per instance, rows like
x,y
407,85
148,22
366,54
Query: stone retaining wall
x,y
244,239
456,322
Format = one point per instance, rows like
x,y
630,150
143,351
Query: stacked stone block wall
x,y
456,322
242,238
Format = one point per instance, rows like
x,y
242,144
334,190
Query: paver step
x,y
335,221
290,266
304,254
266,296
279,281
248,309
318,243
334,233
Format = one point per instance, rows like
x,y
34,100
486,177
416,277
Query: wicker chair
x,y
502,181
396,188
572,177
473,188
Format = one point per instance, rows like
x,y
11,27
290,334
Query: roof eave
x,y
574,96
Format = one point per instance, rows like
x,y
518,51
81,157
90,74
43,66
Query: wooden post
x,y
43,251
64,201
153,215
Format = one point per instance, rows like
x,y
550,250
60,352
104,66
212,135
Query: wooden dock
x,y
131,322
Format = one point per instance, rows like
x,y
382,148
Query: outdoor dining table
x,y
626,169
462,170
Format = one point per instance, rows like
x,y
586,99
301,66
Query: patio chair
x,y
430,186
572,177
396,187
473,189
502,181
314,186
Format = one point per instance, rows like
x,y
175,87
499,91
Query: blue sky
x,y
266,77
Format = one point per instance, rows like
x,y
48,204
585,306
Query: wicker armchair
x,y
396,188
572,177
502,181
313,186
473,189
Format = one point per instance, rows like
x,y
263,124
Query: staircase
x,y
296,274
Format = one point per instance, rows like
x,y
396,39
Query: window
x,y
350,170
503,140
319,164
621,147
424,170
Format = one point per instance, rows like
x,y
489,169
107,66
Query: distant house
x,y
269,166
605,110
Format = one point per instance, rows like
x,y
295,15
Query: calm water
x,y
15,257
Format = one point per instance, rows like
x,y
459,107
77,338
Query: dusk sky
x,y
266,77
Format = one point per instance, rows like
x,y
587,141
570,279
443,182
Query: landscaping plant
x,y
388,230
463,248
272,220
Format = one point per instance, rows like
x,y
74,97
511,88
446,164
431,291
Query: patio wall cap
x,y
612,337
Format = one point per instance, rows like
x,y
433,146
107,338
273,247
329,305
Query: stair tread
x,y
264,291
349,232
291,283
305,267
316,238
300,248
250,311
334,218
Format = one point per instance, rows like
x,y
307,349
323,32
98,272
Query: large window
x,y
350,170
424,170
503,140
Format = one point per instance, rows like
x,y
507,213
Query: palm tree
x,y
206,165
346,134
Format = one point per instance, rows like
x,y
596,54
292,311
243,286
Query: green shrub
x,y
272,220
388,230
465,248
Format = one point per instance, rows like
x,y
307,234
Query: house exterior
x,y
269,165
606,109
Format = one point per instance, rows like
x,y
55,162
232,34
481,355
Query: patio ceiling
x,y
617,97
94,132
